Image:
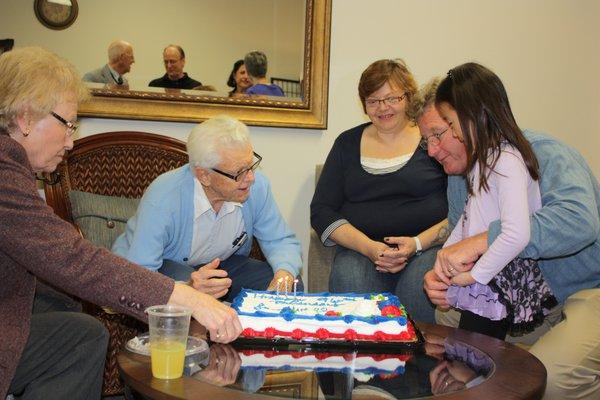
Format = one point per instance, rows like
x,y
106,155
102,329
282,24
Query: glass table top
x,y
437,366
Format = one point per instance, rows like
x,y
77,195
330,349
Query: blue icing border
x,y
289,314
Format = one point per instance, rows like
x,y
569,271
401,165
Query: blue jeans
x,y
353,272
244,272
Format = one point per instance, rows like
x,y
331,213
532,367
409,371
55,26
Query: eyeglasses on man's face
x,y
240,176
432,140
390,101
71,126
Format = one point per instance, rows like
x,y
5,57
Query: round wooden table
x,y
515,374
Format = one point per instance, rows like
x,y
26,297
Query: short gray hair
x,y
116,49
256,64
207,139
424,98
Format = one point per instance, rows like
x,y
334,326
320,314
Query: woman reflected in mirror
x,y
238,79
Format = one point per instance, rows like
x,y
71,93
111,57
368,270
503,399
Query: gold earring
x,y
26,133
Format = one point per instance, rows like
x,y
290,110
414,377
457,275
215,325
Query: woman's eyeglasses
x,y
71,126
390,101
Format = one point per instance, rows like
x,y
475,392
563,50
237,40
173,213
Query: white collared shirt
x,y
214,234
114,74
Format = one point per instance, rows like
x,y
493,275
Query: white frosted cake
x,y
323,316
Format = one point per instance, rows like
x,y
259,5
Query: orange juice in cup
x,y
169,326
167,359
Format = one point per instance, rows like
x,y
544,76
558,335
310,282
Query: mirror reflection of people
x,y
58,353
120,58
174,77
256,66
238,79
198,222
378,183
565,241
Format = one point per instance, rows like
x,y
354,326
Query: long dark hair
x,y
231,81
486,119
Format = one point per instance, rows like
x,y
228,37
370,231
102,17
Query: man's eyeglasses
x,y
71,126
240,176
390,101
432,140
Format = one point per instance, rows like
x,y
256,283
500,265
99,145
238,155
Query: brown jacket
x,y
34,242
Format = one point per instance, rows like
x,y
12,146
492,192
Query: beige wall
x,y
213,33
546,51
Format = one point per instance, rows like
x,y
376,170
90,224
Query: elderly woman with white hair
x,y
60,354
198,222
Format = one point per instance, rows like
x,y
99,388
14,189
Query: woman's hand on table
x,y
220,320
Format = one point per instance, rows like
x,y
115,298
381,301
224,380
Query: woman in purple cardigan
x,y
59,353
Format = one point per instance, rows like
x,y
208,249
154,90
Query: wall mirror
x,y
294,34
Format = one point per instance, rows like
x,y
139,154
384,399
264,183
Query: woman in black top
x,y
377,183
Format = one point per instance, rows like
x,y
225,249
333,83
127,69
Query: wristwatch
x,y
419,247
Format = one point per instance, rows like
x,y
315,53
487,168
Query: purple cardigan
x,y
34,242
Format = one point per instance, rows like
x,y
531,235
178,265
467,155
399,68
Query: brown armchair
x,y
114,167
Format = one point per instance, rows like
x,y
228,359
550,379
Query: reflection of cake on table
x,y
323,316
363,365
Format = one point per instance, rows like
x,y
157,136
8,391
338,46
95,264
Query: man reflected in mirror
x,y
120,58
174,78
256,66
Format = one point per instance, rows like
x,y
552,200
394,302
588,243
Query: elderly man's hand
x,y
286,281
435,289
460,256
211,280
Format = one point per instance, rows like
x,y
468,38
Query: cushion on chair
x,y
101,218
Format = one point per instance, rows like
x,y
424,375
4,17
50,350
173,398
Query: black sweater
x,y
400,203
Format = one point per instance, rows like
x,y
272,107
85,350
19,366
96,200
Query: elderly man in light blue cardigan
x,y
197,222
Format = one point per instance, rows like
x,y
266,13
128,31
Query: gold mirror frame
x,y
308,112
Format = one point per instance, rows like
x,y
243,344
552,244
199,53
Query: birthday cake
x,y
363,366
323,317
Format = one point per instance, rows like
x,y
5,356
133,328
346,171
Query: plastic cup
x,y
169,327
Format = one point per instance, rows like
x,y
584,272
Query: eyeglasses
x,y
433,139
51,178
240,176
390,101
71,126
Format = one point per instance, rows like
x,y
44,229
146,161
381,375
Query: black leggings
x,y
472,322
